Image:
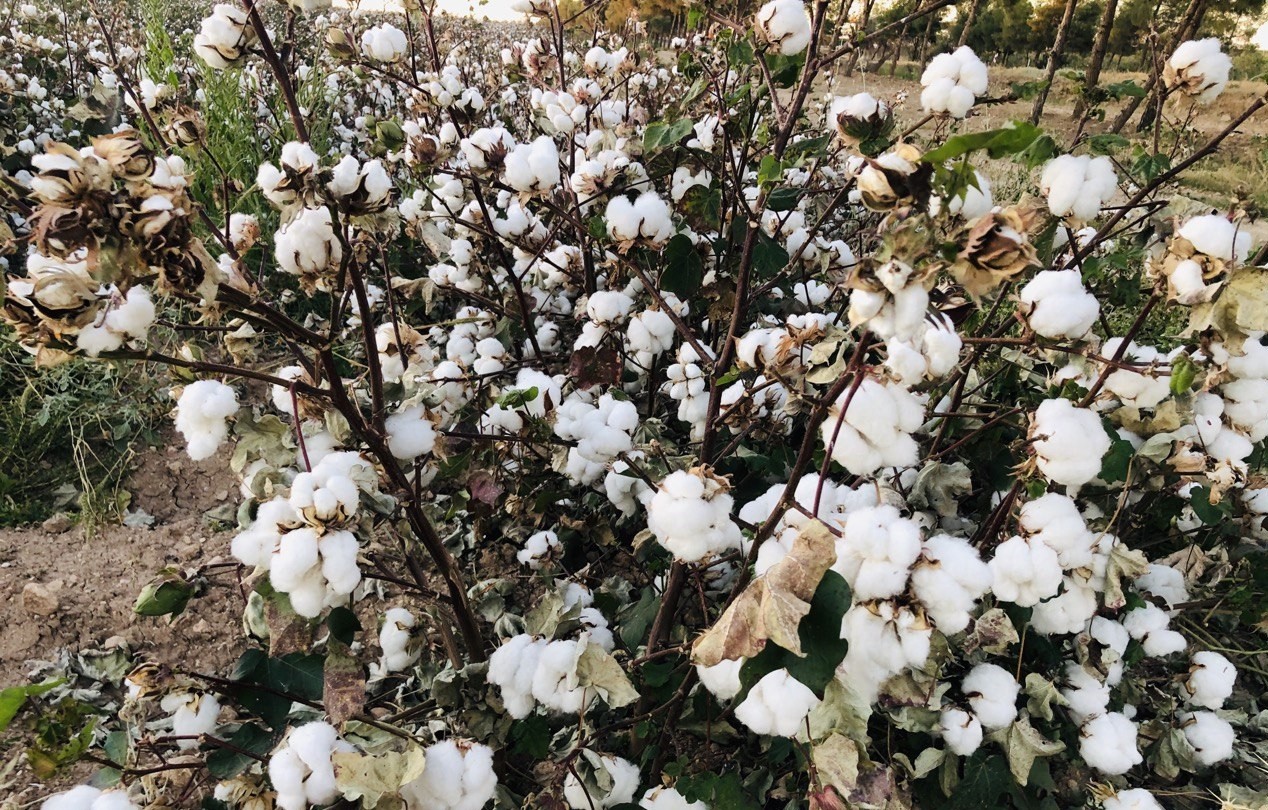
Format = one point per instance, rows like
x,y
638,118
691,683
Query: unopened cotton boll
x,y
1057,305
875,429
201,416
1134,799
1077,186
777,705
961,731
1210,680
1069,442
1199,69
1025,571
1211,736
952,82
992,693
667,798
624,776
301,770
457,776
785,25
690,515
1107,742
192,716
385,43
394,639
410,433
948,580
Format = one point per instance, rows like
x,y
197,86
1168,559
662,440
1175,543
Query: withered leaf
x,y
343,684
371,778
594,365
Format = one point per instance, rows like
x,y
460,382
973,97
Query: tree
x,y
1054,59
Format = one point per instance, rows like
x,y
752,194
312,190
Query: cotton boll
x,y
961,731
785,25
1199,69
875,429
666,798
1087,697
457,776
410,433
722,679
1068,612
306,246
1165,582
1077,186
1054,519
690,515
1025,571
1069,442
394,639
624,489
952,82
537,547
647,217
777,705
301,770
948,580
884,639
511,668
1135,799
1057,305
385,43
1210,681
1107,743
533,168
624,775
1211,736
201,416
1150,626
192,716
992,693
86,797
1217,237
876,552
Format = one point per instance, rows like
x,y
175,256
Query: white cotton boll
x,y
1068,612
1055,520
533,167
961,731
536,548
876,428
1210,681
1057,305
192,716
1077,186
1069,442
1211,736
301,770
1025,571
777,705
224,37
690,516
511,668
1137,389
609,306
1086,696
624,775
666,798
722,679
992,693
385,43
948,580
625,489
884,640
1164,582
647,217
952,82
785,25
394,639
86,797
1150,626
651,331
1217,237
256,544
1134,799
307,245
1198,68
876,552
410,433
201,416
1107,743
457,776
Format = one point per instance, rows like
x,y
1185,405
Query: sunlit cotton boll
x,y
307,246
785,25
202,414
1077,186
1217,237
1069,442
410,433
666,798
1057,305
624,776
224,37
876,428
1210,681
457,776
948,580
952,82
647,217
301,770
722,679
1134,799
192,716
690,515
1025,571
128,320
877,549
385,43
1199,69
533,168
316,571
777,705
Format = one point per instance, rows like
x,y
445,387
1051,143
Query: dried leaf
x,y
993,632
836,760
370,778
343,684
1124,564
1024,744
597,669
1043,693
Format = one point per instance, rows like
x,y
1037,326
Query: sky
x,y
493,9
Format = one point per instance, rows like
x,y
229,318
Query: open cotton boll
x,y
961,731
1199,69
255,545
86,797
777,705
202,414
602,431
1086,696
722,679
647,217
1165,582
624,488
1211,736
385,43
301,770
690,515
1069,442
511,668
952,82
1137,389
457,776
651,331
536,548
1210,681
306,246
948,580
533,168
1134,799
992,693
785,25
876,551
1025,571
1057,305
885,639
1077,186
225,37
1217,237
1107,743
192,716
666,798
624,775
875,429
394,639
1055,520
1150,625
316,571
410,433
1067,612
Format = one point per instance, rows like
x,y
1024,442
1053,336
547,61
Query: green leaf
x,y
225,763
344,625
783,199
1106,143
1209,513
1125,89
769,257
769,171
659,134
1117,462
820,635
167,595
1009,140
684,269
517,397
14,698
530,737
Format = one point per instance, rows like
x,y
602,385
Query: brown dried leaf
x,y
343,688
